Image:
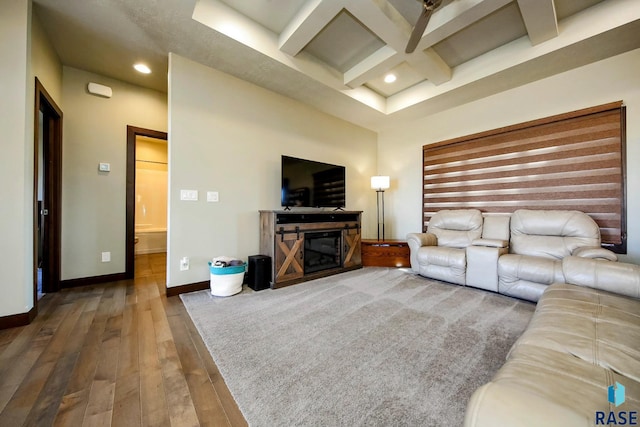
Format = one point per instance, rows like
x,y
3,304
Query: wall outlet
x,y
212,196
106,256
184,263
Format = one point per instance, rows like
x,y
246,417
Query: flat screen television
x,y
307,183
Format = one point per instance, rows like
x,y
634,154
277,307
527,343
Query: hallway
x,y
120,354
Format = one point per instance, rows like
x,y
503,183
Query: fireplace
x,y
322,251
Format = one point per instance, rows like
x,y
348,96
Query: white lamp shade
x,y
379,182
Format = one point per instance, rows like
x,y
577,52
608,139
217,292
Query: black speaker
x,y
259,272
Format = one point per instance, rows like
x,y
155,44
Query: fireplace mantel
x,y
282,237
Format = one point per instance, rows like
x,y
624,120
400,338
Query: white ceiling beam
x,y
383,20
222,18
540,19
371,67
394,30
580,38
444,22
455,16
309,21
430,65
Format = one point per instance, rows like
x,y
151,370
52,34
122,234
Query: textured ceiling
x,y
334,54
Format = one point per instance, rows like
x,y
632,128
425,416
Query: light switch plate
x,y
189,195
212,196
104,167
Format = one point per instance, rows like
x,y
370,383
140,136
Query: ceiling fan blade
x,y
421,24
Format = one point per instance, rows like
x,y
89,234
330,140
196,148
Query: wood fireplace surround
x,y
308,245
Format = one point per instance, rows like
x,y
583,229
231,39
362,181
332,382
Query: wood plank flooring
x,y
119,354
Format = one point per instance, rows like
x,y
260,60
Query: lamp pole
x,y
380,183
380,201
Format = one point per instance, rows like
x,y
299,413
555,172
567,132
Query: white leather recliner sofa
x,y
517,255
440,253
584,337
539,241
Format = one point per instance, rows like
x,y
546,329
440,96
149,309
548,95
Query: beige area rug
x,y
371,347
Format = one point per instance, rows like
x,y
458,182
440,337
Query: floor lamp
x,y
380,183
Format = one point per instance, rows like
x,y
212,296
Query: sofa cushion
x,y
546,271
456,228
442,263
446,257
597,327
496,227
552,234
543,387
527,277
507,403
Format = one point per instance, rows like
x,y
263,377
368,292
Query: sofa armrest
x,y
416,240
617,277
491,243
594,252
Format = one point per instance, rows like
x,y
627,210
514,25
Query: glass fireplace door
x,y
322,251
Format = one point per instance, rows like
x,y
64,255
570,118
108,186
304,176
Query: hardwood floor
x,y
120,354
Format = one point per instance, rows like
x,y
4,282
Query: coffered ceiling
x,y
335,54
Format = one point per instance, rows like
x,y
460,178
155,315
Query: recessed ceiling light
x,y
142,68
390,78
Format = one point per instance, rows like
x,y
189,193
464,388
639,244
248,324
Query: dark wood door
x,y
47,192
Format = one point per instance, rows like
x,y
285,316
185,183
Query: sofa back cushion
x,y
496,227
552,233
456,228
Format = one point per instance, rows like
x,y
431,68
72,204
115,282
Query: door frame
x,y
52,155
132,133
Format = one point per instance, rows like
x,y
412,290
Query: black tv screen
x,y
307,183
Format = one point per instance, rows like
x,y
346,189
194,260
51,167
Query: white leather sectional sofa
x,y
517,255
583,342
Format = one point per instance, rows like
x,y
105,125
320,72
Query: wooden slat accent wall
x,y
570,161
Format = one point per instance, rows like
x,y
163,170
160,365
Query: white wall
x,y
227,135
16,159
45,63
613,79
93,202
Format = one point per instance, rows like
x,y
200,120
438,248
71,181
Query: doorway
x,y
47,203
152,165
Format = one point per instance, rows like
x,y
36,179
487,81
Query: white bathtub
x,y
151,240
